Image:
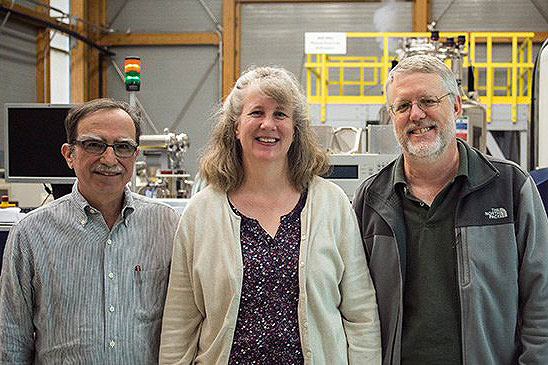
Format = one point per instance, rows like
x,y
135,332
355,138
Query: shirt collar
x,y
399,174
86,209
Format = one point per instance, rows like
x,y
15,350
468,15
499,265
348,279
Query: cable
x,y
435,22
49,191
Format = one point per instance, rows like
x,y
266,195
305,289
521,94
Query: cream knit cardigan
x,y
338,319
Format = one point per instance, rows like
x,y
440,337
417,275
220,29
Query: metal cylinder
x,y
154,140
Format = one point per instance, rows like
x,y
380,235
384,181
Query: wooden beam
x,y
238,42
540,37
37,15
41,20
42,67
163,39
78,62
229,49
96,14
43,61
308,1
421,15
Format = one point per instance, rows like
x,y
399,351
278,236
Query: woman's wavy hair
x,y
221,164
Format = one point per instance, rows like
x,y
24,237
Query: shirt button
x,y
305,324
308,354
111,275
112,343
83,221
92,211
109,242
302,263
111,308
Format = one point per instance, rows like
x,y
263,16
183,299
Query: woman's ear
x,y
237,129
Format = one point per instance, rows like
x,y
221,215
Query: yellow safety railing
x,y
517,70
328,81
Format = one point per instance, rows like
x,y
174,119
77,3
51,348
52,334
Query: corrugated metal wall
x,y
175,77
162,16
17,68
180,84
274,33
490,15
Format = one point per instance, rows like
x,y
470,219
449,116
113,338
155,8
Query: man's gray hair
x,y
425,64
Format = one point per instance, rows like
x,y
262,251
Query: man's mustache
x,y
116,169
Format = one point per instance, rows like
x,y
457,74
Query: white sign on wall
x,y
325,43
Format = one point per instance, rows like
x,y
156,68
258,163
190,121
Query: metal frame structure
x,y
333,79
321,68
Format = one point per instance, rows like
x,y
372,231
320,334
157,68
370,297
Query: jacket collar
x,y
380,193
480,172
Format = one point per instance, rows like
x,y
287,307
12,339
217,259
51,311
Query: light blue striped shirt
x,y
71,291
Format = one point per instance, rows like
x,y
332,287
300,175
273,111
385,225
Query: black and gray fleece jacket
x,y
501,232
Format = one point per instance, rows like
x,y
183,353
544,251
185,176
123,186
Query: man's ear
x,y
67,150
457,108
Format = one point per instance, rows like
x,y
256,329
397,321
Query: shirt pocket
x,y
149,292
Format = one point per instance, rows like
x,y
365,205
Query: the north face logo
x,y
496,213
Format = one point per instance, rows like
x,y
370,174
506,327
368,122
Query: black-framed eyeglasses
x,y
97,147
425,104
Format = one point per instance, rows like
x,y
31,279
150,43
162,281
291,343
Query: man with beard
x,y
85,277
456,241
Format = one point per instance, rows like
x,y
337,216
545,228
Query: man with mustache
x,y
84,278
456,241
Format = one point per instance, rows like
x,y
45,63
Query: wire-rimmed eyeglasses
x,y
425,104
98,147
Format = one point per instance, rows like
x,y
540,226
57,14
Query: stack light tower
x,y
132,79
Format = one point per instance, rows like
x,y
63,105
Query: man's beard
x,y
425,149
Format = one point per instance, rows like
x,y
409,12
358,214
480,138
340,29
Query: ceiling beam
x,y
160,39
38,19
309,1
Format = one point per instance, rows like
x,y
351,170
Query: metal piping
x,y
192,96
117,14
6,17
435,22
211,16
540,10
59,28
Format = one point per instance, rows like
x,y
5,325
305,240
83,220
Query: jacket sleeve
x,y
532,236
16,302
358,302
357,206
182,319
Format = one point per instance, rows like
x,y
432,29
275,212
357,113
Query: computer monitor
x,y
4,231
34,134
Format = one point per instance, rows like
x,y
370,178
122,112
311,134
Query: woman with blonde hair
x,y
268,264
